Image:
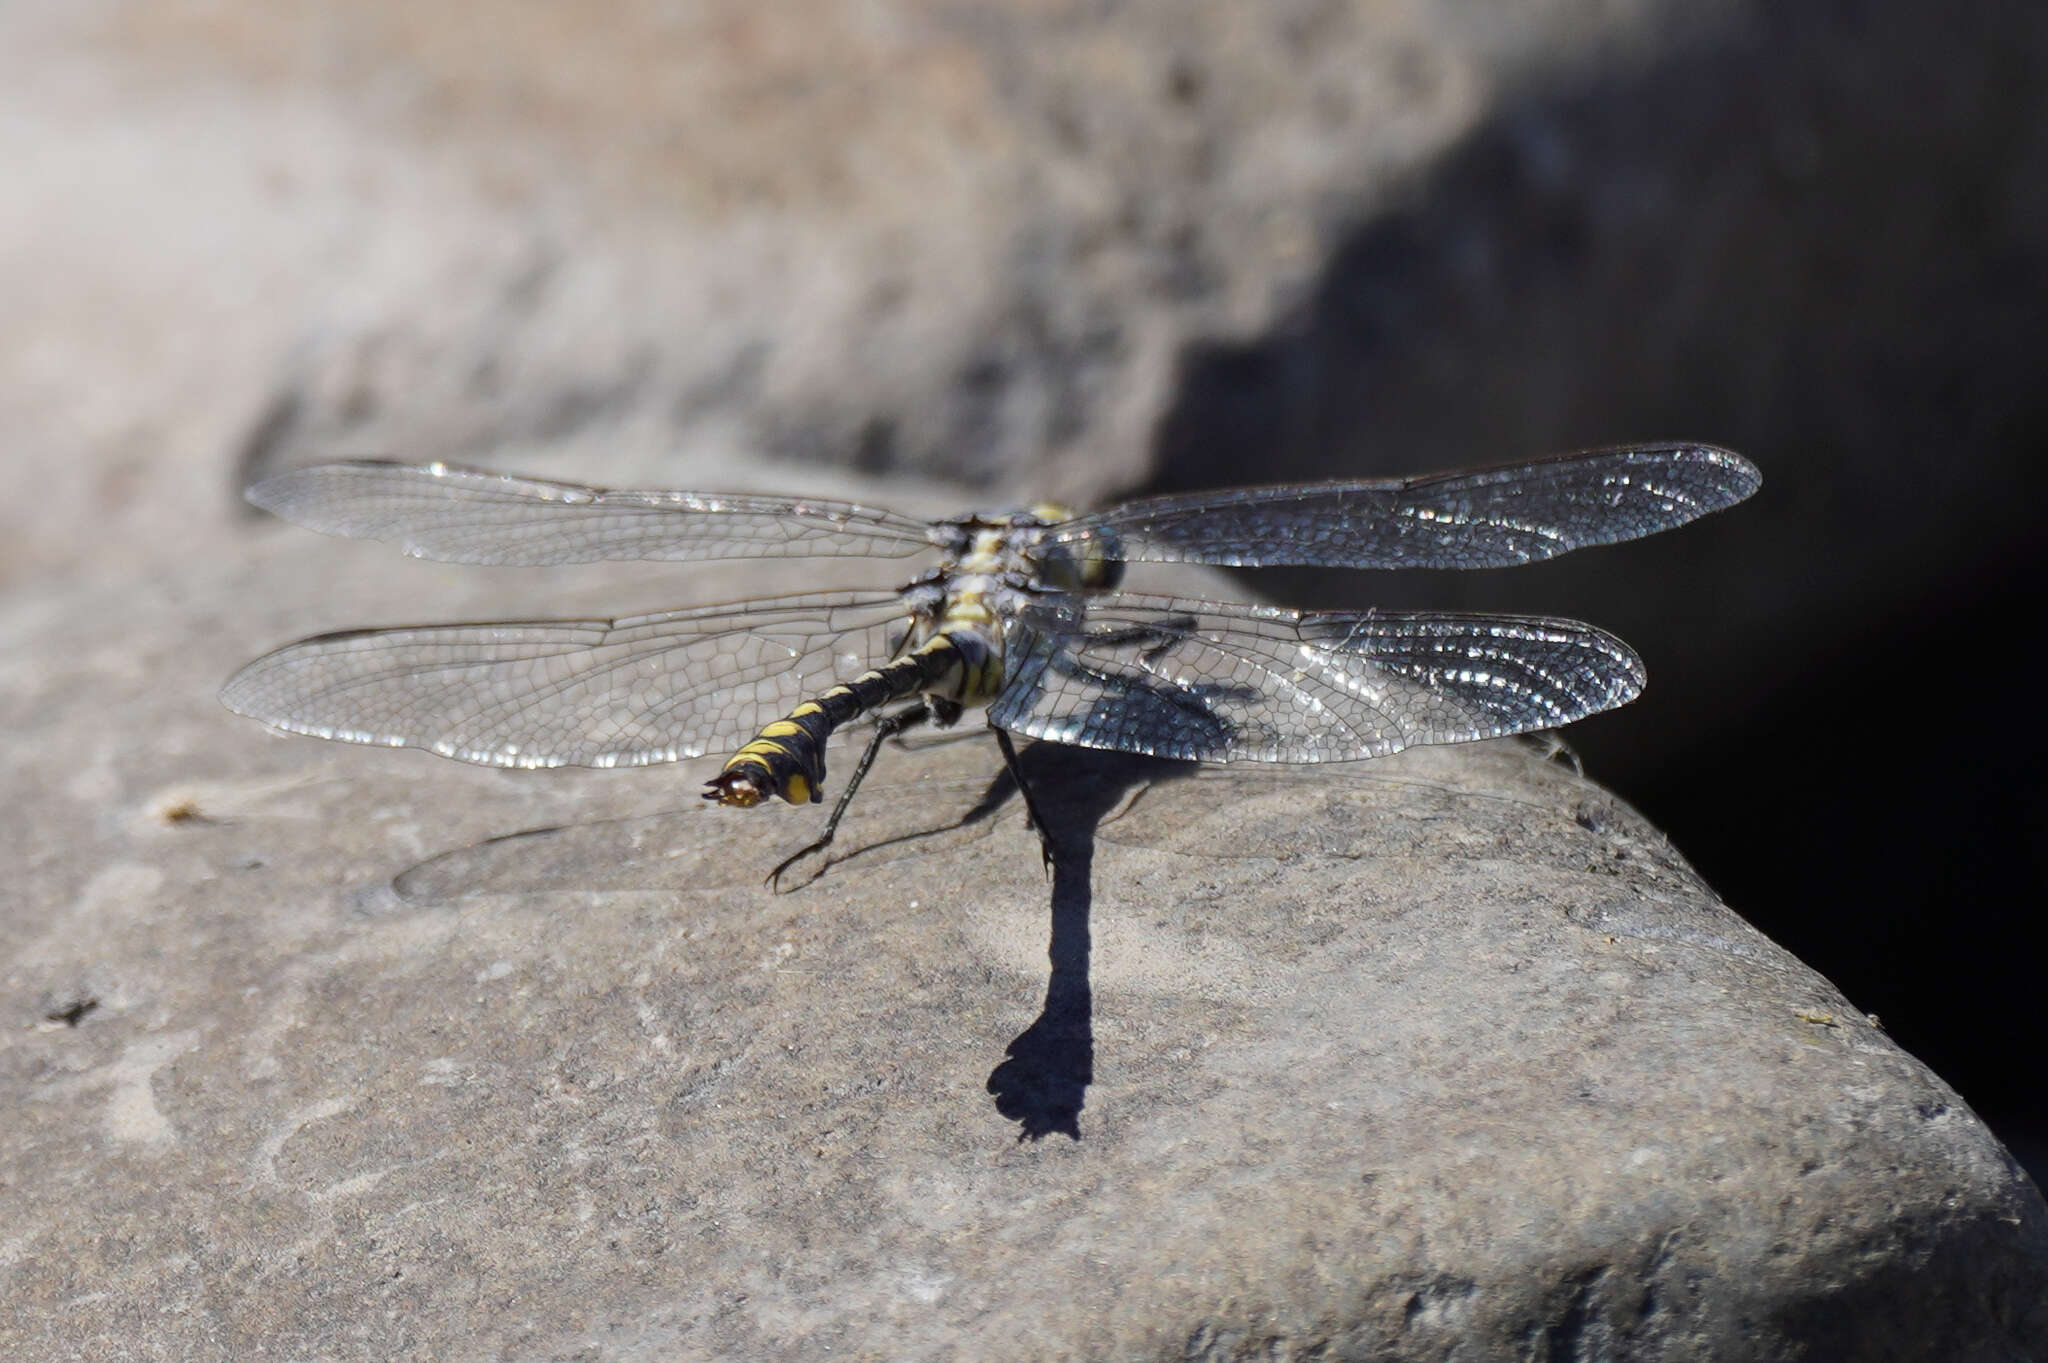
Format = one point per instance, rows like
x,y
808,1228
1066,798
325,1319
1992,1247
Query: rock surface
x,y
966,240
1447,1056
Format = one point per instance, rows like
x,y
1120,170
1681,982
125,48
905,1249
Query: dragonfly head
x,y
1085,563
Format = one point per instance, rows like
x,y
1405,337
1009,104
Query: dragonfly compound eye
x,y
1093,563
1102,562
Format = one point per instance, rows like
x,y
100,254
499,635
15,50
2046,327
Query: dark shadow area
x,y
1821,241
1044,1083
1905,863
1950,1271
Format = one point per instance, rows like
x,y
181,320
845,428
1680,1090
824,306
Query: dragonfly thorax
x,y
1024,548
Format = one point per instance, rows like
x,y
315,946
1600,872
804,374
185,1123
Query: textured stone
x,y
1444,1057
1447,1056
966,239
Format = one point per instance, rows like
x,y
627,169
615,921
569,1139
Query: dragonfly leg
x,y
886,728
1031,813
1549,746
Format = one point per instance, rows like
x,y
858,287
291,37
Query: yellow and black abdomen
x,y
787,759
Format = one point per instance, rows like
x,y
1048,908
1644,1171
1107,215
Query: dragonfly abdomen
x,y
787,759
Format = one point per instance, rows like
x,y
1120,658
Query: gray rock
x,y
975,242
1446,1056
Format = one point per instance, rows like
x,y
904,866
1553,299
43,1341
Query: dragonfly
x,y
1017,614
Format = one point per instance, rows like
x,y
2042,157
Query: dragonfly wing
x,y
591,693
1487,518
459,515
1211,681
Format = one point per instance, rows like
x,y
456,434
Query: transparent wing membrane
x,y
1211,681
1134,673
459,515
591,693
1488,518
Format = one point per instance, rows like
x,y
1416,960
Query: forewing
x,y
1222,682
459,515
1487,518
590,693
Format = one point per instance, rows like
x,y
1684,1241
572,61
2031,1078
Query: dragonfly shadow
x,y
1044,1082
657,852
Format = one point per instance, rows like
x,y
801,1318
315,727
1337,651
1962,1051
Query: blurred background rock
x,y
1087,250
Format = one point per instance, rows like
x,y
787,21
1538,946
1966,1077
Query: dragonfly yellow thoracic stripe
x,y
1019,613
